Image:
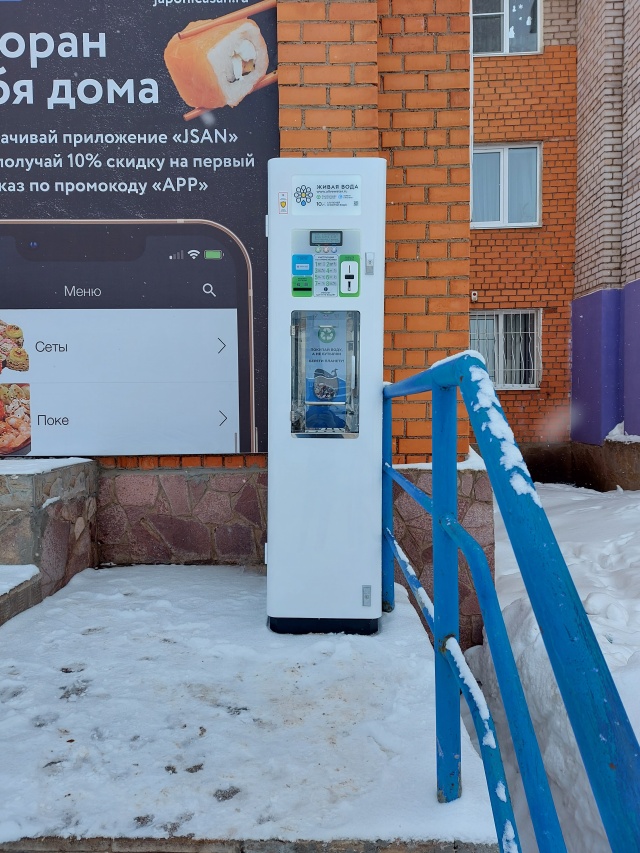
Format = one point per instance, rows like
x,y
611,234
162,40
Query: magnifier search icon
x,y
208,289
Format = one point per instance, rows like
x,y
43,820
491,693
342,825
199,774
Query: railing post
x,y
388,593
445,591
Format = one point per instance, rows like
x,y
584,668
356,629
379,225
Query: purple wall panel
x,y
596,381
631,355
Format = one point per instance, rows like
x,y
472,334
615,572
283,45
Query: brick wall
x,y
600,161
532,99
631,148
392,79
424,122
559,22
328,78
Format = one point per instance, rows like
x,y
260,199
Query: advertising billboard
x,y
134,140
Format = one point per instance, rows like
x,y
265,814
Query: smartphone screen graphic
x,y
124,338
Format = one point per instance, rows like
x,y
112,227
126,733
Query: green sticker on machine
x,y
349,275
302,285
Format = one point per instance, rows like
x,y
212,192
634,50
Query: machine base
x,y
289,625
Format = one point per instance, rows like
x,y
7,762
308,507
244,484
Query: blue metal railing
x,y
607,744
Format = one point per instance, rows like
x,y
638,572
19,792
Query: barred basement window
x,y
509,341
505,26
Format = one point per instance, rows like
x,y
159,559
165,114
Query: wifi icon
x,y
193,254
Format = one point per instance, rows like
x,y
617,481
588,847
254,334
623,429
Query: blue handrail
x,y
607,743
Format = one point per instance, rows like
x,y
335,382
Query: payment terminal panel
x,y
326,306
325,263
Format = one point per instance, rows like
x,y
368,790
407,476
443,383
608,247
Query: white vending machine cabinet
x,y
326,231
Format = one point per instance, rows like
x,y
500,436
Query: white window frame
x,y
501,346
503,150
505,31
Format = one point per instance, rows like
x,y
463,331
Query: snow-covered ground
x,y
154,702
599,535
159,691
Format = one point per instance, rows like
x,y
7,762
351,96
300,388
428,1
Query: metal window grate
x,y
509,342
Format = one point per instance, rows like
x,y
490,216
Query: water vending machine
x,y
326,309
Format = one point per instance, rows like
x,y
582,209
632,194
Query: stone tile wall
x,y
182,516
414,533
67,519
219,516
48,518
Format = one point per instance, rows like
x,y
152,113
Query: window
x,y
505,188
505,26
509,341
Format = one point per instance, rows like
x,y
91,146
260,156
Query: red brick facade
x,y
532,98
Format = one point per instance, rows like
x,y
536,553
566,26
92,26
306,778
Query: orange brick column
x,y
328,78
404,95
423,55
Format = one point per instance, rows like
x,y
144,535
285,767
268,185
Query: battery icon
x,y
212,254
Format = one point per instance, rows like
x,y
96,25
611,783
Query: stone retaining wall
x,y
48,518
414,533
605,468
75,516
182,516
219,516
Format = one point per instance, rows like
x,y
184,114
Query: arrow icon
x,y
224,416
222,347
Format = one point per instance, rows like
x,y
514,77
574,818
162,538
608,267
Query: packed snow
x,y
599,535
13,576
24,465
154,702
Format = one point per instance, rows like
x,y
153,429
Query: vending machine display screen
x,y
325,238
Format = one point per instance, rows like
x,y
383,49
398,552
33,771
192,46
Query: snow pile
x,y
618,434
599,535
154,702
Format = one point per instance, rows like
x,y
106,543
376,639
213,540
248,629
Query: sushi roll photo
x,y
214,64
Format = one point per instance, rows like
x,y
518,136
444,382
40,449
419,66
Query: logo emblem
x,y
303,195
327,334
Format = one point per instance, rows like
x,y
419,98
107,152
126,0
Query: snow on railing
x,y
608,746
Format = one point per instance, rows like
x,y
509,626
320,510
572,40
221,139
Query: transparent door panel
x,y
325,370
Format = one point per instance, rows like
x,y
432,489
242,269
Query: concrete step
x,y
48,517
191,845
20,589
